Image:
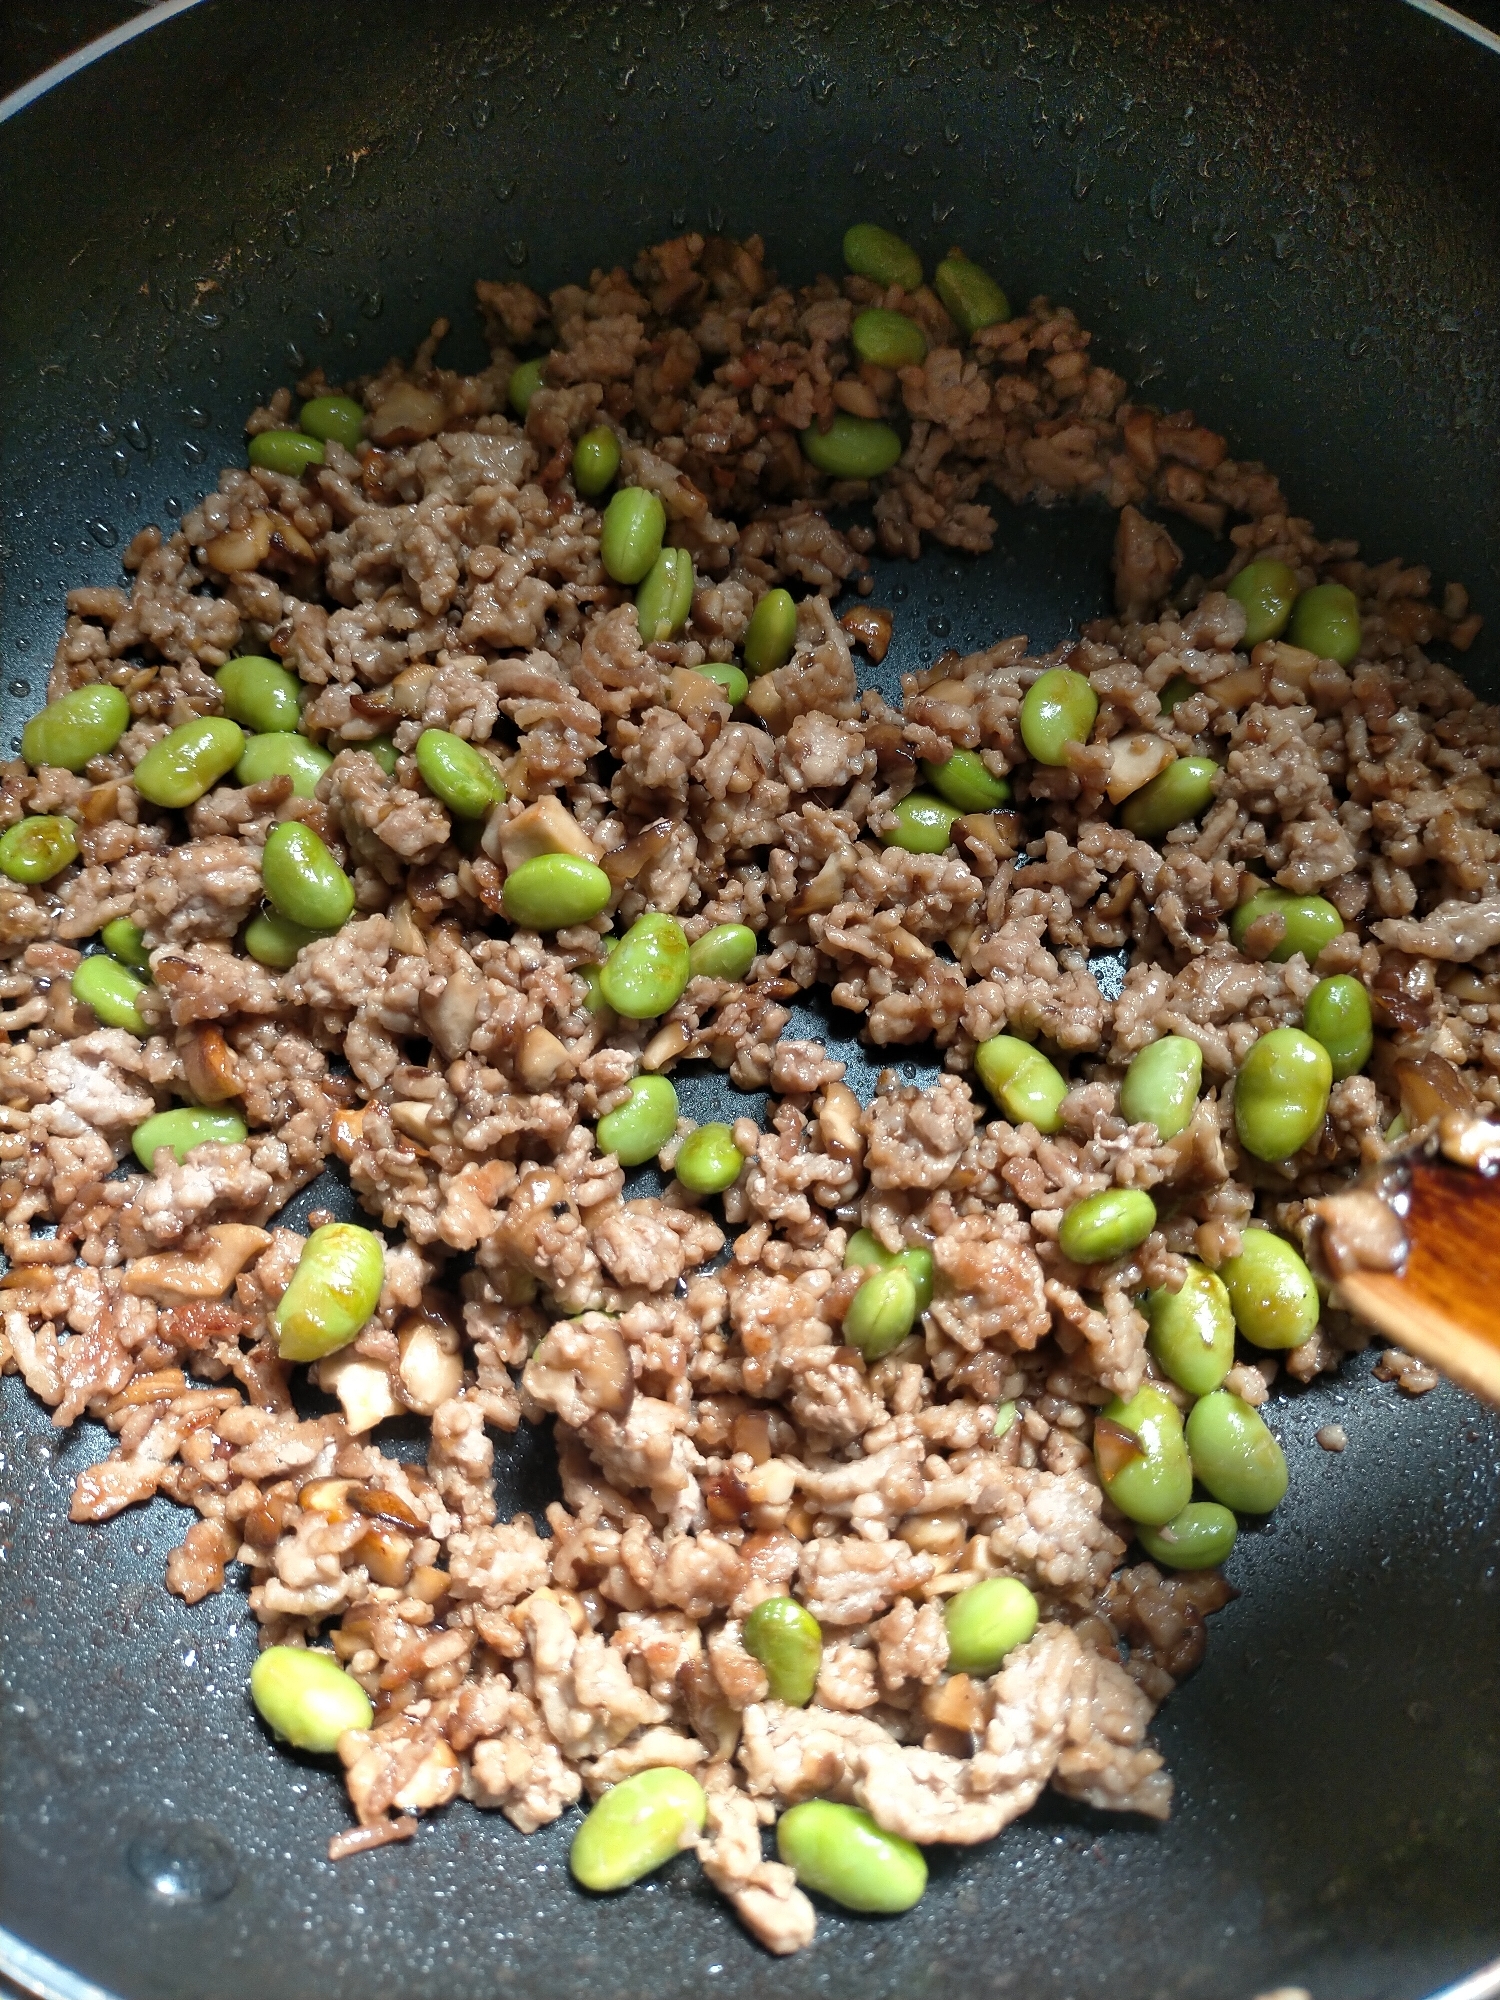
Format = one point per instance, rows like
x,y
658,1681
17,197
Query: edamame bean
x,y
918,1261
39,847
851,447
184,764
382,749
1192,1330
551,892
524,383
303,880
1199,1538
596,460
725,952
282,753
112,990
882,1312
924,824
887,339
788,1641
965,781
307,1698
333,1293
1234,1455
1161,1086
1268,591
1337,1014
881,256
771,634
1105,1225
259,693
273,940
124,940
863,1248
1024,1084
183,1129
1142,1457
461,776
1057,709
630,540
637,1826
665,597
1177,690
288,452
84,723
840,1851
1308,923
971,295
637,1130
1281,1094
1180,793
1325,620
708,1160
337,417
645,973
1005,1416
728,677
987,1621
1271,1290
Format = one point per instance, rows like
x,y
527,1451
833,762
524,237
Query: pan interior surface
x,y
1292,226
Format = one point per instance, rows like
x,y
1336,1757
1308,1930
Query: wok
x,y
1286,216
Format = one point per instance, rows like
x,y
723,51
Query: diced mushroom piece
x,y
542,1059
407,415
580,1368
203,1273
1134,761
547,827
431,1368
362,1387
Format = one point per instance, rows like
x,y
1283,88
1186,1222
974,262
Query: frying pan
x,y
1286,216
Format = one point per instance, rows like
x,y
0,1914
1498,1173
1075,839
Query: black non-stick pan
x,y
1284,213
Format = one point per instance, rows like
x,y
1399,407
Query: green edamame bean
x,y
965,781
1177,690
1281,1094
788,1641
665,597
112,990
596,460
461,776
1271,1290
637,1130
645,973
337,417
882,1312
840,1851
551,892
1192,1330
881,256
637,1826
307,1698
1200,1538
708,1160
260,693
84,723
887,339
1105,1225
1173,796
302,879
282,753
971,295
771,634
187,762
124,940
1024,1084
924,824
1337,1014
1161,1086
183,1129
725,952
1142,1457
1307,923
917,1261
1234,1454
382,749
288,452
524,383
728,677
1325,620
1268,591
987,1621
865,1248
1005,1416
333,1293
39,847
851,447
274,940
1057,709
630,540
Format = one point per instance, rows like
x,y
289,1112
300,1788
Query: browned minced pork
x,y
720,1439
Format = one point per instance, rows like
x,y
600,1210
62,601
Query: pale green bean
x,y
1161,1086
302,879
788,1641
1024,1084
184,1128
1056,710
186,762
333,1292
307,1698
851,447
637,1130
84,723
771,633
636,1827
